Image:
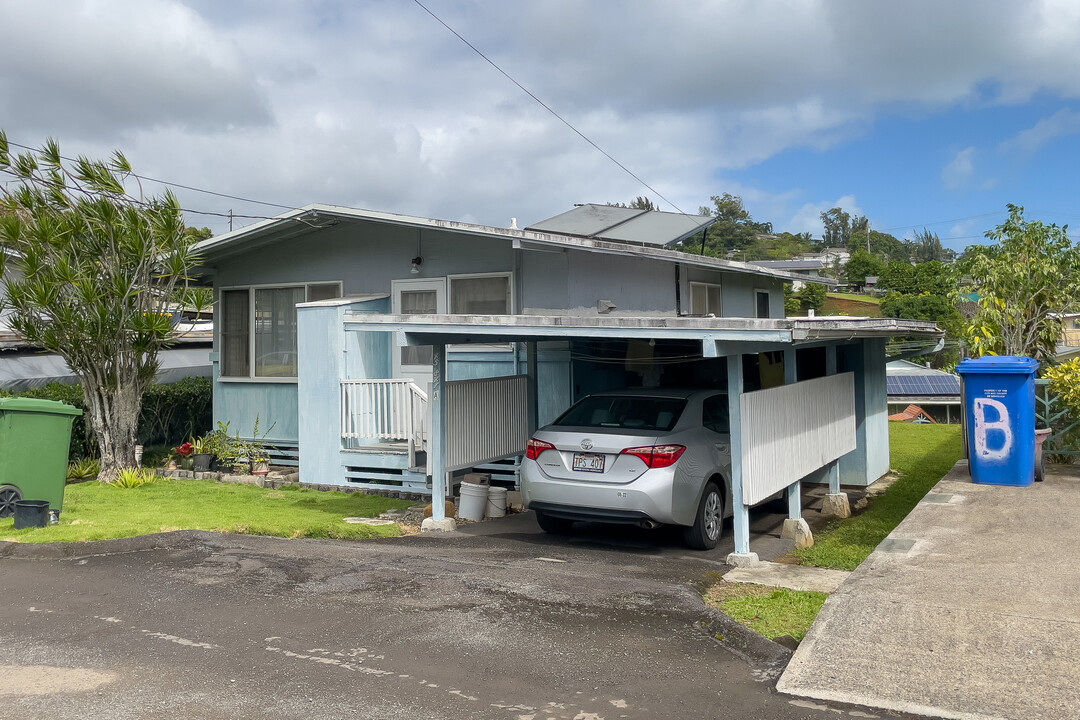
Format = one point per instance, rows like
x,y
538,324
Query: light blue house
x,y
389,351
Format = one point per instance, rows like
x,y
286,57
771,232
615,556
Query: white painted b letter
x,y
982,427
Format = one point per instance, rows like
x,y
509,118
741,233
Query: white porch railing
x,y
384,409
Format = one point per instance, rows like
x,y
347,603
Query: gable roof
x,y
312,218
629,225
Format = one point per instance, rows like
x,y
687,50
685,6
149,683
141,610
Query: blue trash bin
x,y
999,406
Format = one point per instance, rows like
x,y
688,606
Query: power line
x,y
179,185
547,107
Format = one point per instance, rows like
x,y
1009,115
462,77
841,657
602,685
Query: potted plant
x,y
222,446
181,456
201,453
257,451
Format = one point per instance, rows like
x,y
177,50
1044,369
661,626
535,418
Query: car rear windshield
x,y
623,411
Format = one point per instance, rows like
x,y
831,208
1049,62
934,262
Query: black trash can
x,y
31,513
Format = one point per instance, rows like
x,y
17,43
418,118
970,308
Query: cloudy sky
x,y
917,113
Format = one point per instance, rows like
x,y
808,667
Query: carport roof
x,y
714,333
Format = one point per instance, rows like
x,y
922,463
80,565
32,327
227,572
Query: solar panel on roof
x,y
922,385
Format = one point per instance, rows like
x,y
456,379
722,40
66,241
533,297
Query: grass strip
x,y
96,511
921,454
772,612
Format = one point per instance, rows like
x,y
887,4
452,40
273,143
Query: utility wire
x,y
184,187
547,107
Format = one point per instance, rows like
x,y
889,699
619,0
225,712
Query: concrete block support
x,y
799,531
742,560
432,525
836,505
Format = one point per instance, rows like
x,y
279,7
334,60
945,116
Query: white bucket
x,y
496,502
473,501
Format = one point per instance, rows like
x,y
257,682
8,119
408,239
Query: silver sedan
x,y
646,457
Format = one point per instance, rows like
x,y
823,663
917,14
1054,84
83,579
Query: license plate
x,y
589,462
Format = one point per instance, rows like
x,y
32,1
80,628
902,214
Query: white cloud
x,y
373,103
808,217
958,173
1026,143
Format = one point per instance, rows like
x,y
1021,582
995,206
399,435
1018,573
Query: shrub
x,y
170,413
129,478
84,469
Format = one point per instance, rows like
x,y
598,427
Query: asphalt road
x,y
507,625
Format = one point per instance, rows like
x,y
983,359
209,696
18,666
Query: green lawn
x,y
768,611
921,454
855,297
94,511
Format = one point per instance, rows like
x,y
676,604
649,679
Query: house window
x,y
704,299
480,294
762,300
258,328
235,321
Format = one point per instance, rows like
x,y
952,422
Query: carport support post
x,y
533,402
437,443
835,503
742,557
795,527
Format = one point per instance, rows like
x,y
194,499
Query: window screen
x,y
480,295
324,291
275,331
704,299
418,302
235,316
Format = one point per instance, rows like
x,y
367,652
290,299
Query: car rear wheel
x,y
9,495
709,521
553,525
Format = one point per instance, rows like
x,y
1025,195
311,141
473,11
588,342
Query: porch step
x,y
504,473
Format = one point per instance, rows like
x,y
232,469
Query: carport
x,y
824,420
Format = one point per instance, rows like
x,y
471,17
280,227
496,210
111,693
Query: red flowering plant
x,y
184,450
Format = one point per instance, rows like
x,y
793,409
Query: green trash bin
x,y
34,439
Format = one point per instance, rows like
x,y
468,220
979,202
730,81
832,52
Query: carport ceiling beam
x,y
409,336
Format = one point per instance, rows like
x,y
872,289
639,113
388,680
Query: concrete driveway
x,y
497,621
969,609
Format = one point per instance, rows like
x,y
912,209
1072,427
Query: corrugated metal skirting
x,y
792,430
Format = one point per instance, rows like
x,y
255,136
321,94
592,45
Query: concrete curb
x,y
767,657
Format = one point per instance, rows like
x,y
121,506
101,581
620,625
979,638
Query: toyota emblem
x,y
586,444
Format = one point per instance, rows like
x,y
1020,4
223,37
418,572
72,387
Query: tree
x,y
925,306
1024,281
927,247
98,269
840,226
932,277
734,229
639,203
862,264
811,297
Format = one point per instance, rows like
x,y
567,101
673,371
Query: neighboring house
x,y
810,268
935,392
912,414
1068,346
829,256
390,351
870,285
23,366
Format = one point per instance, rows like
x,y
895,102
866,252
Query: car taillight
x,y
657,456
534,447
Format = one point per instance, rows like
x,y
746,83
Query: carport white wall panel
x,y
792,430
486,420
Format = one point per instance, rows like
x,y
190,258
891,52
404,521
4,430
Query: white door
x,y
417,297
